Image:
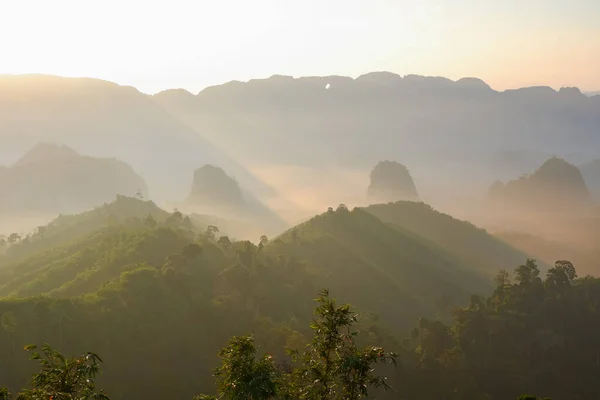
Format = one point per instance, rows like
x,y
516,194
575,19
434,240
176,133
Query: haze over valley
x,y
311,201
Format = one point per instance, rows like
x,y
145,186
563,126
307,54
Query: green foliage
x,y
61,378
243,377
139,291
331,367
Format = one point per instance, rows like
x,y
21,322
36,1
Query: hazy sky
x,y
154,45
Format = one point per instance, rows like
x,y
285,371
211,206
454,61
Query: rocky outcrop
x,y
556,186
214,188
218,194
391,181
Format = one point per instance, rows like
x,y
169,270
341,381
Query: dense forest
x,y
156,294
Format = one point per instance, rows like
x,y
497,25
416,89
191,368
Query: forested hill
x,y
474,246
128,272
156,294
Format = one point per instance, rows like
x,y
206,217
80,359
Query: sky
x,y
156,45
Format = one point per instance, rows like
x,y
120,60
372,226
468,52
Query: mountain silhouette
x,y
556,186
53,179
390,181
461,127
216,193
103,119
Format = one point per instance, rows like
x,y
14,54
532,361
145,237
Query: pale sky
x,y
155,45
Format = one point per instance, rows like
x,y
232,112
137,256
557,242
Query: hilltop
x,y
355,253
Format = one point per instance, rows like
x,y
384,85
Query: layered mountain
x,y
103,119
51,179
556,186
447,130
391,181
216,193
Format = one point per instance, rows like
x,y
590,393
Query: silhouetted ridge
x,y
555,186
212,185
46,152
56,179
391,181
217,194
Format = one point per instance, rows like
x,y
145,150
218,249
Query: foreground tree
x,y
242,376
61,378
331,367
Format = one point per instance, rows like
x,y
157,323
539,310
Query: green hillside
x,y
156,295
476,248
67,228
357,255
135,287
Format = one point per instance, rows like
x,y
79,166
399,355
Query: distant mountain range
x,y
450,133
423,121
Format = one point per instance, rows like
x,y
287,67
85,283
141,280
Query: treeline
x,y
331,367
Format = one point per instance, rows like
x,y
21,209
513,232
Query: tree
x,y
242,376
263,241
224,242
41,230
563,274
9,323
342,207
211,232
503,278
528,273
174,219
61,378
331,367
191,251
149,221
13,238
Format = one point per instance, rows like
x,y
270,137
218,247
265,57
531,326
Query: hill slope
x,y
591,174
477,248
357,255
